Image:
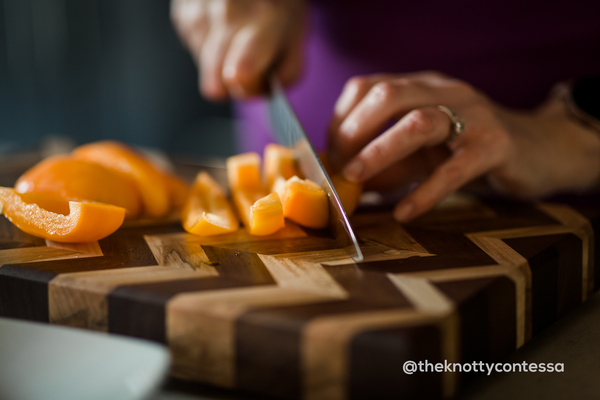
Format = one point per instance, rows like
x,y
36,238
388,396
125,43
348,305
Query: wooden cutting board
x,y
291,316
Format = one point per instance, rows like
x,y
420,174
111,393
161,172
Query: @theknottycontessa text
x,y
411,367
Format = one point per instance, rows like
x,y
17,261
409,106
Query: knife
x,y
290,133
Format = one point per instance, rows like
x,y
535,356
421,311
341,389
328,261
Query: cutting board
x,y
292,316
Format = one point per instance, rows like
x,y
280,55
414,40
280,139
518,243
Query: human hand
x,y
237,42
522,154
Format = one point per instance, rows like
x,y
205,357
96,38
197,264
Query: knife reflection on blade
x,y
290,133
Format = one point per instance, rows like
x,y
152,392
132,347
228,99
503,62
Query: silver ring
x,y
456,124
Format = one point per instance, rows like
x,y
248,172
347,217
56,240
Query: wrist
x,y
578,143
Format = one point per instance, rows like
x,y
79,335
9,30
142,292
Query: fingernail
x,y
348,128
353,171
404,213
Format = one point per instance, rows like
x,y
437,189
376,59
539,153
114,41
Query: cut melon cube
x,y
305,203
261,213
207,211
280,162
243,172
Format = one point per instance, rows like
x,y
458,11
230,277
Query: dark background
x,y
102,69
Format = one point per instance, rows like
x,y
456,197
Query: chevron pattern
x,y
292,316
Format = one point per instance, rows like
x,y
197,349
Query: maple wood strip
x,y
90,249
506,256
581,227
325,347
80,298
201,328
36,254
180,254
303,275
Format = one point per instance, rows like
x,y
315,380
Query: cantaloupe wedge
x,y
261,213
279,162
207,211
81,180
60,220
304,202
125,160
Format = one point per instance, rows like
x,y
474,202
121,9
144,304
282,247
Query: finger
x,y
464,166
211,60
385,101
190,22
357,87
226,19
353,92
291,62
253,51
412,169
424,127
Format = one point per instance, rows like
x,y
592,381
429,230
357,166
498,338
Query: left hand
x,y
522,154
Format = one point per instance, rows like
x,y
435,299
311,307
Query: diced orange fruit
x,y
305,203
178,190
243,172
128,162
262,214
279,161
348,192
58,219
207,211
80,180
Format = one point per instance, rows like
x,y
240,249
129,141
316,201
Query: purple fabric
x,y
513,50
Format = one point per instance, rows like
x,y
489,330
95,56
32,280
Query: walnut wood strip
x,y
428,299
382,228
514,274
325,347
201,328
79,299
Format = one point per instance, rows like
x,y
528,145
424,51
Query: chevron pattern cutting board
x,y
291,316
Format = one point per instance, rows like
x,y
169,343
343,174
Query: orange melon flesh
x,y
261,213
280,162
60,220
125,160
348,192
80,180
305,203
178,190
207,211
243,172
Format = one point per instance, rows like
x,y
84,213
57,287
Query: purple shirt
x,y
514,51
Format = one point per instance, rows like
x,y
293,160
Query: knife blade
x,y
290,133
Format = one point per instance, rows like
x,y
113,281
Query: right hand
x,y
236,43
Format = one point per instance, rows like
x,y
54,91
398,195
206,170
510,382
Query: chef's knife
x,y
290,133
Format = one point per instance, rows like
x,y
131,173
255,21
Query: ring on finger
x,y
457,126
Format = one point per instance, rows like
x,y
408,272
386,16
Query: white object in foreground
x,y
39,361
